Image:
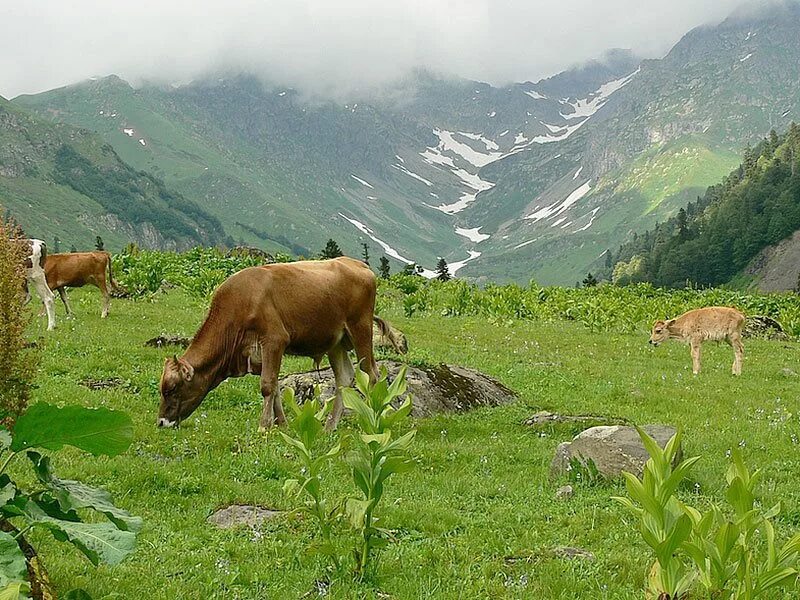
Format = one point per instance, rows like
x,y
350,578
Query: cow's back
x,y
306,298
712,322
76,269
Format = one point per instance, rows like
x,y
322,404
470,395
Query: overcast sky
x,y
328,46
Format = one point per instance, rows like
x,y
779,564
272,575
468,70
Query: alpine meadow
x,y
400,300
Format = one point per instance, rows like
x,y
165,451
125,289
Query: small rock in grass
x,y
565,492
241,514
788,373
571,553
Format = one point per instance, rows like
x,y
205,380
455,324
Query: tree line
x,y
714,238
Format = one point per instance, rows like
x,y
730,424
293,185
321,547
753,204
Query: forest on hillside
x,y
712,240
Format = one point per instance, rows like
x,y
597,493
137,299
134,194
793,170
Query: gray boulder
x,y
241,514
436,389
612,449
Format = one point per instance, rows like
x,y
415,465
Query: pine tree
x,y
56,244
331,250
383,270
442,273
609,260
365,252
98,243
73,248
589,281
410,269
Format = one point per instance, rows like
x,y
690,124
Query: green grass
x,y
481,493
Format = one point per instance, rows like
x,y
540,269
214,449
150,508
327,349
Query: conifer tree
x,y
383,270
331,250
442,272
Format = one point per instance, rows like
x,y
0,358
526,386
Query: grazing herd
x,y
310,308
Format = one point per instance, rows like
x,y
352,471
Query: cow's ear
x,y
669,322
186,370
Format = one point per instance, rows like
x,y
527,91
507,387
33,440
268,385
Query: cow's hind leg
x,y
271,355
63,293
361,335
343,373
695,348
738,352
40,283
106,298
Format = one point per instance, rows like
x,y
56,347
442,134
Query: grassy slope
x,y
481,492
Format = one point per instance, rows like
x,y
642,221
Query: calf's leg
x,y
40,284
343,373
738,353
695,348
271,356
105,297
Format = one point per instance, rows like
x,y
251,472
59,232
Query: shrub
x,y
16,363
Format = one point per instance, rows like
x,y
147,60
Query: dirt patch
x,y
242,514
169,340
101,384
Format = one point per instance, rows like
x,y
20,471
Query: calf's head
x,y
181,392
660,332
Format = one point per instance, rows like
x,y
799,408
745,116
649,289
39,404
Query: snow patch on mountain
x,y
474,234
557,208
585,108
362,182
591,220
536,95
412,174
745,57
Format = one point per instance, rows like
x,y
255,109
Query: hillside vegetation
x,y
60,181
713,239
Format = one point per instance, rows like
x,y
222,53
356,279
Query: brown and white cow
x,y
696,326
310,308
35,276
77,269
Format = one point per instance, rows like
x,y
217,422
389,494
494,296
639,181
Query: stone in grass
x,y
434,389
545,417
565,492
241,514
612,449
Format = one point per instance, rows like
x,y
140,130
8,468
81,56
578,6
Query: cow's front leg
x,y
695,348
63,293
271,355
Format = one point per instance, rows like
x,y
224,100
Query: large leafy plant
x,y
375,452
730,553
59,505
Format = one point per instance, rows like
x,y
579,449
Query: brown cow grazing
x,y
77,269
696,326
257,315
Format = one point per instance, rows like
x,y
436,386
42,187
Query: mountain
x,y
530,180
745,228
63,182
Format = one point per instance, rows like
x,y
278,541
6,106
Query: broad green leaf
x,y
12,561
7,492
74,495
99,542
653,449
97,431
356,510
17,590
399,385
366,417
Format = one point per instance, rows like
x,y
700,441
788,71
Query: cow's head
x,y
181,392
660,332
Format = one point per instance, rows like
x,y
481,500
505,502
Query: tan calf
x,y
696,326
77,269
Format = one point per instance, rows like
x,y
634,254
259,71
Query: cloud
x,y
325,46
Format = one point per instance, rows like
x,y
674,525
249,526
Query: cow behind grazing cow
x,y
696,326
35,276
77,269
309,308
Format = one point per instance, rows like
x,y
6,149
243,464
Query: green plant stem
x,y
22,531
6,461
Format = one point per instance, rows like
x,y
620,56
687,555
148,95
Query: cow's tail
x,y
42,254
386,332
114,285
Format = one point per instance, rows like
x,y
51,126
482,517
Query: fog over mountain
x,y
329,48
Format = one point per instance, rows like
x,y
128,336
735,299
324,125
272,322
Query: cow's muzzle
x,y
162,422
652,343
